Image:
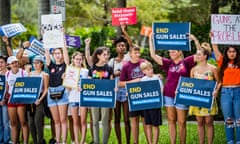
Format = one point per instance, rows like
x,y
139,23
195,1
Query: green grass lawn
x,y
192,135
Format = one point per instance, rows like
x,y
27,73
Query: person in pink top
x,y
175,67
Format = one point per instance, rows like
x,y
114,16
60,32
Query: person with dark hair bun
x,y
229,64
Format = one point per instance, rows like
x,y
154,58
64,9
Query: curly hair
x,y
226,60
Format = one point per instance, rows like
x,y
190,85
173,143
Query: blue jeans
x,y
230,102
5,134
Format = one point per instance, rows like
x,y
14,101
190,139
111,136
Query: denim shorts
x,y
169,102
74,104
122,95
57,102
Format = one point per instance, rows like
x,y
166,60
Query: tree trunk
x,y
5,18
120,3
214,6
43,8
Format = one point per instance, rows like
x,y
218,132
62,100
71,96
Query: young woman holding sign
x,y
57,95
16,112
175,67
229,63
205,71
36,112
78,61
100,70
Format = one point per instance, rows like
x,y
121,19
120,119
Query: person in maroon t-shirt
x,y
175,67
131,72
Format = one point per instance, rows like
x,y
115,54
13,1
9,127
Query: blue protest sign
x,y
26,90
73,41
97,93
10,30
36,46
144,95
195,92
171,36
2,86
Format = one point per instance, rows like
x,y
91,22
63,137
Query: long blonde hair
x,y
83,59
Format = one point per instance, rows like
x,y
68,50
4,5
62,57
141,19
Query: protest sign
x,y
2,86
72,75
124,16
73,41
144,95
26,90
98,93
171,36
145,31
195,92
225,29
52,30
36,46
10,30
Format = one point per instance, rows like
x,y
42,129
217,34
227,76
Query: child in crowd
x,y
152,117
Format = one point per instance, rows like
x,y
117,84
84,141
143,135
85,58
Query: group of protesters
x,y
126,67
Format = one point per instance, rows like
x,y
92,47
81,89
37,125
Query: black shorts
x,y
153,117
136,113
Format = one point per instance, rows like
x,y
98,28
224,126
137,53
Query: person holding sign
x,y
175,67
78,61
16,112
206,71
57,95
229,63
100,70
5,135
131,72
152,117
36,112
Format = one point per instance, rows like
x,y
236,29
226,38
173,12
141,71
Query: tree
x,y
5,18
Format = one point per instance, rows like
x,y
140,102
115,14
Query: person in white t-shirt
x,y
16,112
74,99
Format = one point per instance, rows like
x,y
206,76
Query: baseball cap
x,y
11,59
38,58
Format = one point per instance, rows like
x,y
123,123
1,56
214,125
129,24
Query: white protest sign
x,y
225,29
52,30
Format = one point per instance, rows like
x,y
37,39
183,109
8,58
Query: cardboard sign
x,y
98,93
195,92
10,30
171,36
124,16
26,90
36,46
145,31
72,75
144,95
52,30
2,86
73,41
225,29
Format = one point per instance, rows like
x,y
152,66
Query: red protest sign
x,y
124,16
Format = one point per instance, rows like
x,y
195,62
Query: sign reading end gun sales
x,y
2,86
171,36
144,95
98,93
225,29
124,16
26,90
195,92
